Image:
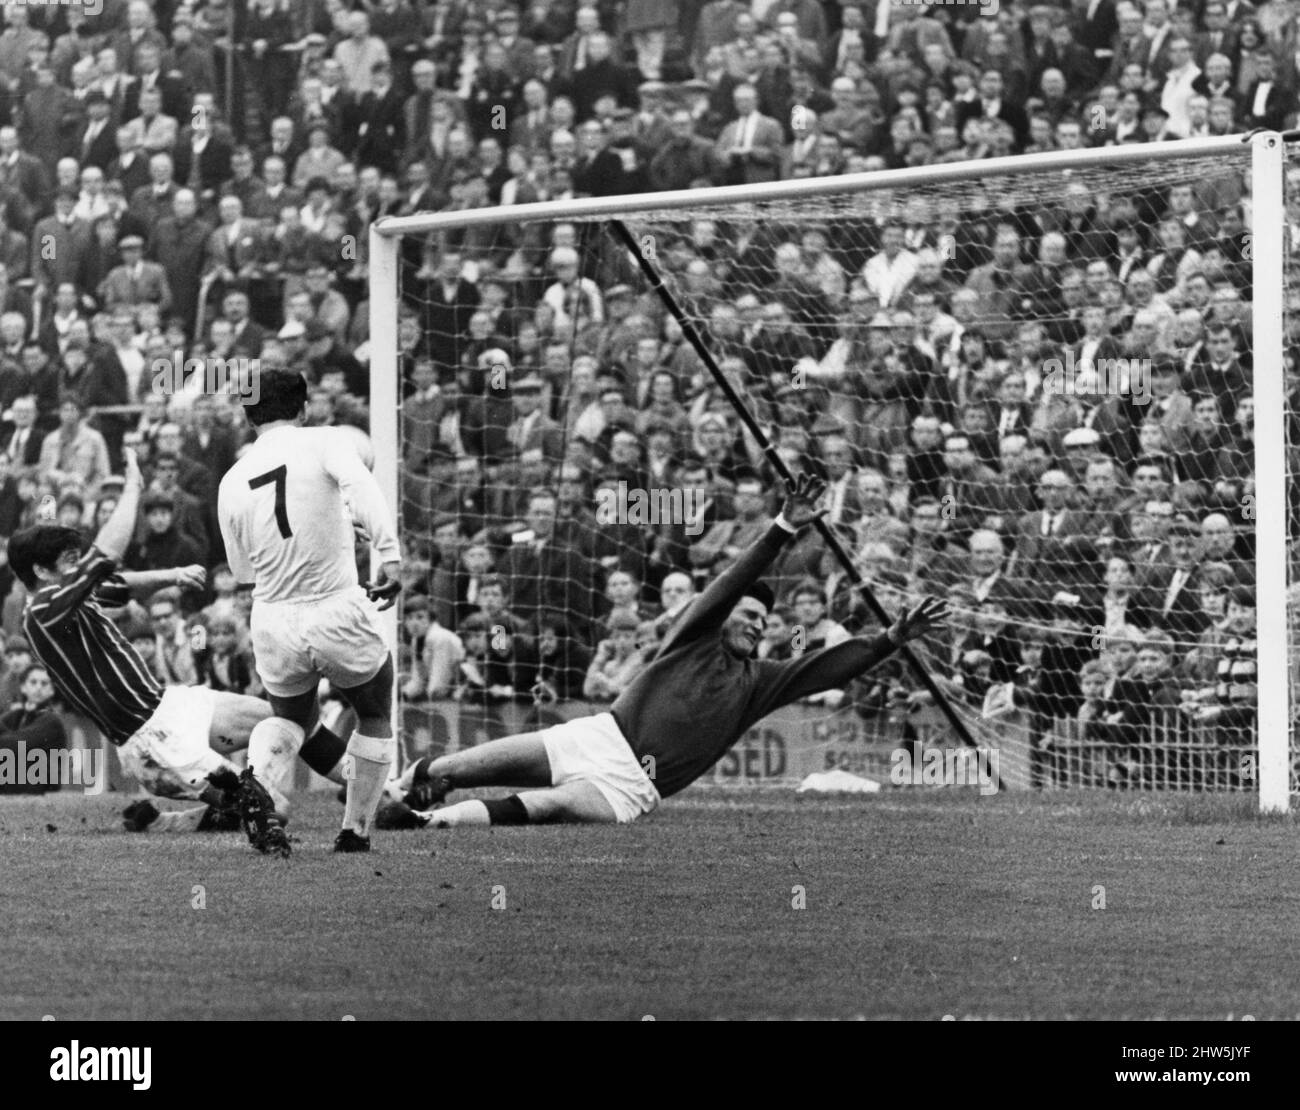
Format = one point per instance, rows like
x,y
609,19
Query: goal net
x,y
1031,385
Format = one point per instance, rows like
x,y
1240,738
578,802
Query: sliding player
x,y
323,753
697,697
286,510
99,674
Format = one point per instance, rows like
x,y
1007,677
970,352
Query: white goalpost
x,y
956,196
1268,164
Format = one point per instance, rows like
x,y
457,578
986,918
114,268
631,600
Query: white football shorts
x,y
297,643
169,755
593,749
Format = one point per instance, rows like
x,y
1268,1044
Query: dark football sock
x,y
507,811
323,750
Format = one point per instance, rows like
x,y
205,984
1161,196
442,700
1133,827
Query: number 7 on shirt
x,y
278,477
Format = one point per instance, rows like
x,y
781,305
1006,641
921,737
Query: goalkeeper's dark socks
x,y
501,811
507,811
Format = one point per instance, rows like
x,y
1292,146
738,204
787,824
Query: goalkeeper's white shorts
x,y
297,643
593,749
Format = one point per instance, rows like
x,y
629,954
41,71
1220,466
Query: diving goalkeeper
x,y
697,697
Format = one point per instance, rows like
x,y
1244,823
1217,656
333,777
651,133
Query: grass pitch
x,y
915,904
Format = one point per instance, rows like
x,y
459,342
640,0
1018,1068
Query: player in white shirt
x,y
284,514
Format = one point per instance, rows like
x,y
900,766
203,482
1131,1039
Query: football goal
x,y
1056,389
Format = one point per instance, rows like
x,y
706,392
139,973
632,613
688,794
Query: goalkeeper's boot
x,y
138,816
263,827
349,841
426,790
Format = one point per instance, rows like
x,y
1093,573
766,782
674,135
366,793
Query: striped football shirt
x,y
92,665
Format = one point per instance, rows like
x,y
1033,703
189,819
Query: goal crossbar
x,y
593,208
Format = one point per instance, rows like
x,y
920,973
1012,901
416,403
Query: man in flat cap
x,y
651,127
635,155
134,282
531,427
96,142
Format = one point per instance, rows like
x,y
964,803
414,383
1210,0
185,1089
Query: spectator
x,y
172,659
562,662
685,160
30,725
431,654
676,592
35,699
778,635
219,661
74,450
22,440
617,660
750,147
223,587
358,54
491,601
1175,605
724,542
1230,704
1147,695
135,282
541,572
17,658
600,75
814,628
496,668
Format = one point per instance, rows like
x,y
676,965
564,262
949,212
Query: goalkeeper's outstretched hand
x,y
801,497
387,587
919,620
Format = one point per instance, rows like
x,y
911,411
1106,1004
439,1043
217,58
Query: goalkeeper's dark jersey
x,y
696,699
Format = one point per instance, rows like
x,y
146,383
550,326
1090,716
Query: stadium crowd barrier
x,y
797,741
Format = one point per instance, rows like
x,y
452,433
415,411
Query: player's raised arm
x,y
185,578
93,570
116,534
715,604
193,577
